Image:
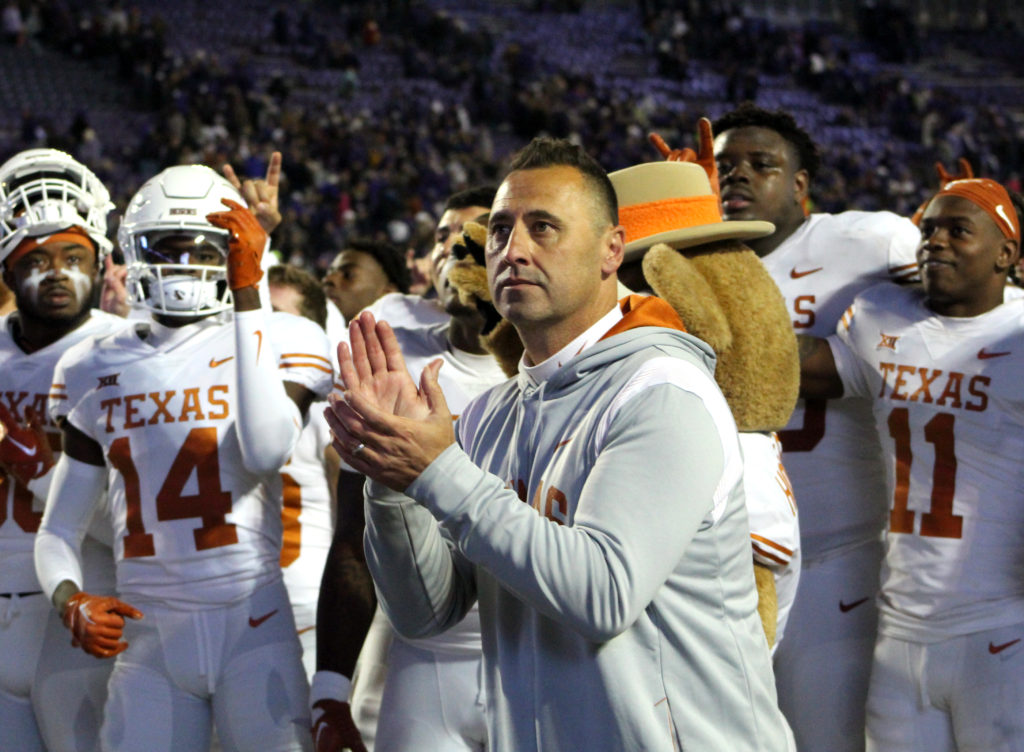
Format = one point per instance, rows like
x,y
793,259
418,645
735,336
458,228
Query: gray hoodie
x,y
617,604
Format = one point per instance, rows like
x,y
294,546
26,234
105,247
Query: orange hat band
x,y
70,235
992,198
654,217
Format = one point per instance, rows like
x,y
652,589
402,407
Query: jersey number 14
x,y
210,503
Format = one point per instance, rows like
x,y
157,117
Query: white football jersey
x,y
192,526
408,311
400,310
25,380
949,411
774,525
307,515
831,456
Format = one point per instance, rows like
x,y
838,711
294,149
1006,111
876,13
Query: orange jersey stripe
x,y
770,556
306,365
773,544
311,356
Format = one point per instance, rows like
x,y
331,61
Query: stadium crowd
x,y
382,165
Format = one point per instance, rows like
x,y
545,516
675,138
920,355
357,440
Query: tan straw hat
x,y
672,203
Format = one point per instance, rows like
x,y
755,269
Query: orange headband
x,y
654,217
70,235
989,196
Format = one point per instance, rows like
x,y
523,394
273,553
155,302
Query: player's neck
x,y
32,334
763,246
963,309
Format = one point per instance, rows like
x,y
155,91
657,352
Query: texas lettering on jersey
x,y
167,406
19,402
952,389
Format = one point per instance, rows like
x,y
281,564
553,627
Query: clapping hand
x,y
384,426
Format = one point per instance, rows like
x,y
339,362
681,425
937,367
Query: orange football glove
x,y
946,178
705,156
333,729
24,450
245,245
97,622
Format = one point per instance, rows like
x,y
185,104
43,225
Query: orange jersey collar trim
x,y
645,310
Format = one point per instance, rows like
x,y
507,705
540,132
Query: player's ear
x,y
801,185
1009,254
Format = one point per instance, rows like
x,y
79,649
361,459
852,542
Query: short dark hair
x,y
481,195
391,260
314,302
558,152
749,115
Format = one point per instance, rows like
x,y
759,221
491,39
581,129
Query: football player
x,y
766,164
941,367
392,675
53,222
309,480
189,417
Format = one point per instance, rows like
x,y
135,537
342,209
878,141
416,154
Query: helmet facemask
x,y
177,261
180,273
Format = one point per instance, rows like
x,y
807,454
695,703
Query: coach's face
x,y
552,255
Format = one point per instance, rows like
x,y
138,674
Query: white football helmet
x,y
43,191
167,242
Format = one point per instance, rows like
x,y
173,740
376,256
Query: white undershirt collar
x,y
545,369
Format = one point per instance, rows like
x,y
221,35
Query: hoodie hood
x,y
647,322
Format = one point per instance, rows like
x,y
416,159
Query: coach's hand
x,y
97,622
383,425
333,727
246,243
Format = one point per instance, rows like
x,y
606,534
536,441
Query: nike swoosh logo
x,y
996,649
29,452
844,607
794,274
256,622
1002,213
982,355
214,363
561,444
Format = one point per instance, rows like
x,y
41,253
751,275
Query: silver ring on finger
x,y
358,449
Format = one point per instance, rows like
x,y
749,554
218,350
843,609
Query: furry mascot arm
x,y
726,297
469,277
